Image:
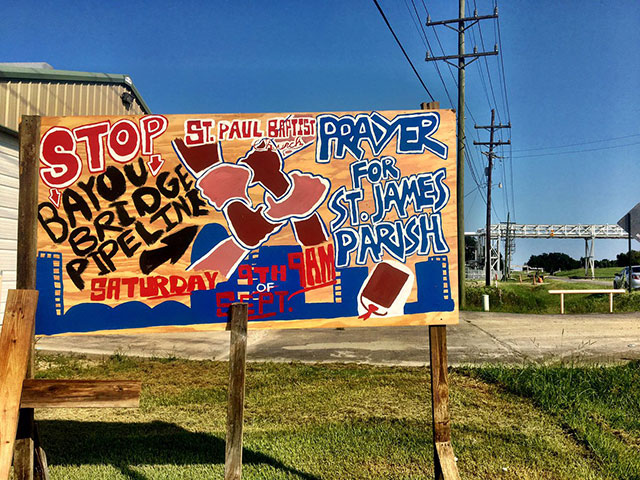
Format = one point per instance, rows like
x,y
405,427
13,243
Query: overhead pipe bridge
x,y
510,231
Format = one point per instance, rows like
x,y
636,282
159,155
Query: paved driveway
x,y
480,337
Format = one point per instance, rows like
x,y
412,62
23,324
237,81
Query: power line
x,y
403,50
477,189
428,46
422,35
505,195
472,160
577,151
577,144
513,201
504,78
503,82
486,63
481,72
455,82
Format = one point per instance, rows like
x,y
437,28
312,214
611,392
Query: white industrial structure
x,y
508,232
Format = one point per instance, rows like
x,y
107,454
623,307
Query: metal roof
x,y
9,72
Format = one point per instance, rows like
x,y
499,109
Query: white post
x,y
611,303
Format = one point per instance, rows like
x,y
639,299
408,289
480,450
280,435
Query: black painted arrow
x,y
174,247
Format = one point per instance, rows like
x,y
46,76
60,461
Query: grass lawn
x,y
525,297
599,405
602,273
334,422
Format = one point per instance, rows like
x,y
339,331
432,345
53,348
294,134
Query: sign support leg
x,y
443,457
15,346
235,402
23,460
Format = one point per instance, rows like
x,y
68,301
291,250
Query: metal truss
x,y
556,231
589,233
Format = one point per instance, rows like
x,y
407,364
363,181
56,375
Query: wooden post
x,y
443,457
430,105
235,402
15,345
23,460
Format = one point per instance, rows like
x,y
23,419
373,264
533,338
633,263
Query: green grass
x,y
599,405
303,422
515,297
600,273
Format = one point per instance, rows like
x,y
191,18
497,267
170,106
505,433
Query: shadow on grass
x,y
121,445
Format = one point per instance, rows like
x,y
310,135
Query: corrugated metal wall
x,y
8,214
54,99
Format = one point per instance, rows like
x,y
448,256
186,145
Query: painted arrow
x,y
175,245
54,196
155,164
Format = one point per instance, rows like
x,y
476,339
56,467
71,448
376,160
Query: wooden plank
x,y
26,269
444,460
235,404
16,339
447,460
41,393
41,465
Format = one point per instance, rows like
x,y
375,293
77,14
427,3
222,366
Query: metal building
x,y
39,89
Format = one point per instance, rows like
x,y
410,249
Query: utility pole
x,y
630,262
491,143
463,23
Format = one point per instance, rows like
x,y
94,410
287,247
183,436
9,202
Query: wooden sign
x,y
313,219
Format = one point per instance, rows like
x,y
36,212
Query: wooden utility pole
x,y
463,23
490,154
460,166
489,184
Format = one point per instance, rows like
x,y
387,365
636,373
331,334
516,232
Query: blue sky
x,y
572,73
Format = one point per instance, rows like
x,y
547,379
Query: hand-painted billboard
x,y
313,219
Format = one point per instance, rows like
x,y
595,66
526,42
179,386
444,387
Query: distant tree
x,y
622,259
605,263
552,262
